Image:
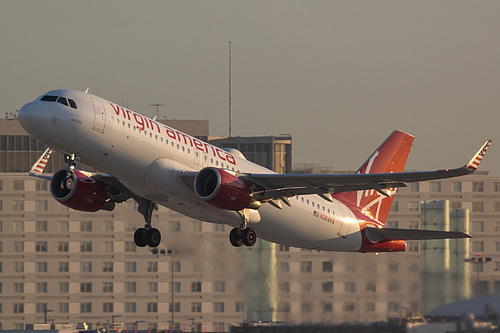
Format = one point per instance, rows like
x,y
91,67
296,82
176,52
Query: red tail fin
x,y
389,157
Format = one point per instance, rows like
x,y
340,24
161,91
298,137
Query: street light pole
x,y
172,283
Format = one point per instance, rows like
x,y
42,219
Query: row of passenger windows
x,y
62,100
318,206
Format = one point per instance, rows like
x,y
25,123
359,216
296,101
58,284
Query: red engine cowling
x,y
79,191
222,189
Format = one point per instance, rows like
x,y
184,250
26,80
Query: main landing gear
x,y
243,235
239,237
147,236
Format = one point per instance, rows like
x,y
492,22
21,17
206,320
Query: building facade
x,y
84,267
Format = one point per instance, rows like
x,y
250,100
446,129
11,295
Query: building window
x,y
395,206
327,306
349,287
284,266
86,287
393,286
370,307
238,306
348,307
63,226
393,306
41,205
63,287
478,206
415,187
284,286
177,266
86,226
152,266
130,247
130,267
152,307
41,267
107,307
19,287
327,266
85,307
153,287
41,287
41,185
306,307
392,224
18,246
41,246
130,287
496,186
496,226
18,307
435,186
107,287
41,226
284,248
477,186
496,206
455,204
63,267
130,307
327,287
63,307
284,307
413,206
219,286
413,246
18,205
107,246
371,286
196,286
85,246
219,307
478,226
19,267
306,266
86,267
456,186
393,266
63,246
107,226
18,226
107,267
477,246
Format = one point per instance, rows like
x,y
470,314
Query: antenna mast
x,y
230,109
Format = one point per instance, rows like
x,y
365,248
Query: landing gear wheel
x,y
140,237
153,237
69,183
249,237
235,237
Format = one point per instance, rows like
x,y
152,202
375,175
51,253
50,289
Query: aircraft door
x,y
344,223
99,115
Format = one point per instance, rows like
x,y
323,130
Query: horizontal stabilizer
x,y
379,234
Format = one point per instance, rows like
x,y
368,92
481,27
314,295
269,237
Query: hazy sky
x,y
337,75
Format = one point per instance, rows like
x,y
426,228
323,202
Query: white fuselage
x,y
148,157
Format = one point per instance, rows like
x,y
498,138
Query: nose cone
x,y
29,117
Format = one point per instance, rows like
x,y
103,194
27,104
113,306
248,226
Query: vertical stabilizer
x,y
389,157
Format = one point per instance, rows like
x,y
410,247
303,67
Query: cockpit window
x,y
72,103
63,100
49,98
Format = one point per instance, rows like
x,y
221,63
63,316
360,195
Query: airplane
x,y
154,164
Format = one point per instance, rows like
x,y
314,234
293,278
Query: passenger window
x,y
72,103
49,98
63,101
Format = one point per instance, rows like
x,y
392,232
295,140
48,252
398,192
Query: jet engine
x,y
224,190
76,189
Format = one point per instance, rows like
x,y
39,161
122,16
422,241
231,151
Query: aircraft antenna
x,y
157,108
230,109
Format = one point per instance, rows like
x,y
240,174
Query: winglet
x,y
476,159
39,166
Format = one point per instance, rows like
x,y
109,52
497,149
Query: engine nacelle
x,y
223,190
79,191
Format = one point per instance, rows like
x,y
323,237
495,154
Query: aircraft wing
x,y
281,186
379,234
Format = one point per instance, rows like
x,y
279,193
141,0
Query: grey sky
x,y
337,75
